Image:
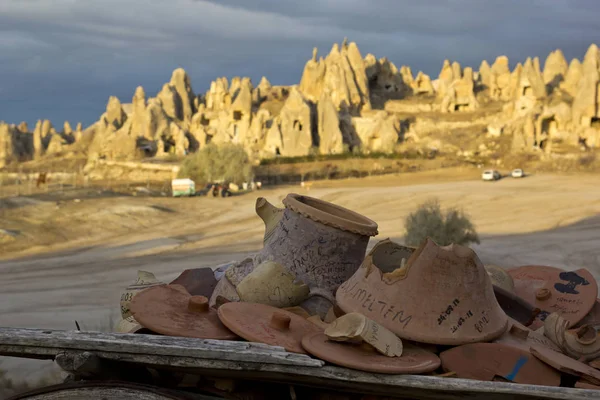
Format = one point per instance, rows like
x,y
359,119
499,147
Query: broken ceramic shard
x,y
442,295
144,280
356,328
270,283
171,310
522,337
265,324
364,357
566,364
269,214
318,242
500,277
197,281
572,294
582,343
592,318
485,361
130,325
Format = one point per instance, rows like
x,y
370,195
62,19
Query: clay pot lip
x,y
331,214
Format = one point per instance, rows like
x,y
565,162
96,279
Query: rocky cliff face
x,y
343,102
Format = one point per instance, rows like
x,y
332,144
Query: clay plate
x,y
171,310
265,324
414,360
572,294
485,361
198,281
566,364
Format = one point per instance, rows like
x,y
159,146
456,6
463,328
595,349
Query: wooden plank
x,y
248,366
108,390
40,343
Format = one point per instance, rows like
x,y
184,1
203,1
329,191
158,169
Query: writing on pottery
x,y
448,311
573,280
127,296
481,322
371,303
461,321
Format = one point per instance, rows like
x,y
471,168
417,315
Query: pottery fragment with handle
x,y
364,357
572,294
266,324
441,295
581,343
171,310
356,328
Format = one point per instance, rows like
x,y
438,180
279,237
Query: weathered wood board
x,y
242,360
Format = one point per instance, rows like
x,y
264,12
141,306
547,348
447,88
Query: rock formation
x,y
555,69
343,102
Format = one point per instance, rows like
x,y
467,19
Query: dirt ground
x,y
68,261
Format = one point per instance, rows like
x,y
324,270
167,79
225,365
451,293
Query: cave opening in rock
x,y
298,125
237,115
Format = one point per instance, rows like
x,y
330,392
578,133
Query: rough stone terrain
x,y
98,244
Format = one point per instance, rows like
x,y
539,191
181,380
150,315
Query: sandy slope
x,y
542,219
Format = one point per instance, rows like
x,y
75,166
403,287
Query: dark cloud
x,y
61,59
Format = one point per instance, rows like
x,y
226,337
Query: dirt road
x,y
545,219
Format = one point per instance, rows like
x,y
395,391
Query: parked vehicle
x,y
517,173
183,187
490,175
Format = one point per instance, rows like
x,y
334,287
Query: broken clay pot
x,y
520,336
500,277
130,325
197,281
442,295
582,343
592,318
144,280
269,214
270,283
486,361
171,310
265,324
572,294
364,357
356,328
319,243
566,364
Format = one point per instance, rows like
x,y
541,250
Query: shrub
x,y
428,220
225,162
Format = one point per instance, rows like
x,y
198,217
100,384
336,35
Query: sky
x,y
62,59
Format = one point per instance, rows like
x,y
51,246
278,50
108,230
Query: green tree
x,y
453,226
228,162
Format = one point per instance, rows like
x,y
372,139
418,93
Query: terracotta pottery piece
x,y
581,384
269,214
500,277
572,294
197,281
130,325
356,328
522,337
442,295
171,310
270,283
486,361
582,343
595,363
144,280
319,243
265,324
592,318
364,357
566,364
